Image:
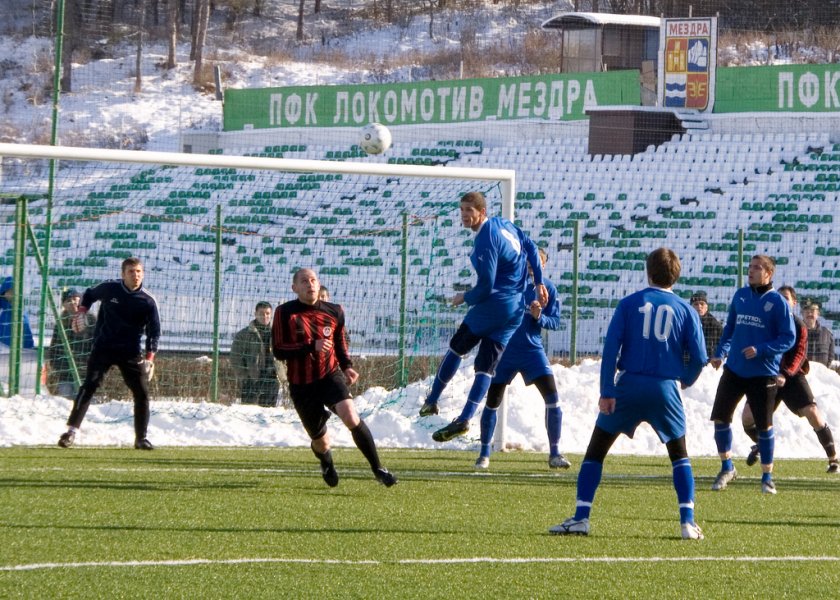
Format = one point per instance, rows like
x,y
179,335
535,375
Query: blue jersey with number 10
x,y
649,334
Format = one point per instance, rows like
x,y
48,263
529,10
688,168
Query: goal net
x,y
218,234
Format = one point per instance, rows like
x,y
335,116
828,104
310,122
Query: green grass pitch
x,y
260,523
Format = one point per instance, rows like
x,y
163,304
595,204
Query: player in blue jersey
x,y
499,257
758,330
647,338
525,355
795,392
127,311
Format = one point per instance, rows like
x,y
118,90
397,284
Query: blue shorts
x,y
650,399
496,318
533,364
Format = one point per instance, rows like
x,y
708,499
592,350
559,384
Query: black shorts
x,y
795,393
760,393
311,401
489,350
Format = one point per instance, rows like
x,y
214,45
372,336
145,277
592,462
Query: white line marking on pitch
x,y
308,470
414,561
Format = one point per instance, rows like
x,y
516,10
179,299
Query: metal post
x,y
403,376
65,341
45,271
217,284
508,189
18,270
573,317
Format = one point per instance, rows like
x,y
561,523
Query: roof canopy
x,y
589,20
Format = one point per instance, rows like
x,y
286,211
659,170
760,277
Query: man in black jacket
x,y
820,338
126,312
712,328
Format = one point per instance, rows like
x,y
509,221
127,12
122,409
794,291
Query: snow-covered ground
x,y
104,110
392,416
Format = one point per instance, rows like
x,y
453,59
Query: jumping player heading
x,y
499,257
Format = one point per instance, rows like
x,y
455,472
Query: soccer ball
x,y
376,138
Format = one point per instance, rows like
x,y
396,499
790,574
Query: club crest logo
x,y
687,71
768,306
327,331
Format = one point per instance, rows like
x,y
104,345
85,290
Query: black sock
x,y
364,442
827,440
324,457
752,433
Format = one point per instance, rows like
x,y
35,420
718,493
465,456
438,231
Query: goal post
x,y
385,238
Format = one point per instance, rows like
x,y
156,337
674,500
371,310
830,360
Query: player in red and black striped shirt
x,y
309,335
795,392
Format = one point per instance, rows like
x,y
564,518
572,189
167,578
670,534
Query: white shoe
x,y
768,487
571,526
722,480
482,462
559,462
690,531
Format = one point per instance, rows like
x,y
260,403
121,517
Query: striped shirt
x,y
296,328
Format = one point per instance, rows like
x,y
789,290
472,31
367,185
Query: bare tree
x,y
138,63
171,32
203,9
431,18
299,34
72,42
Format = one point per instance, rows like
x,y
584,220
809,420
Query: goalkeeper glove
x,y
147,366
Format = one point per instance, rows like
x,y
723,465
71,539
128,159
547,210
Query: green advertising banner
x,y
786,88
556,97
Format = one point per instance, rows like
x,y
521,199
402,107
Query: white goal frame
x,y
505,177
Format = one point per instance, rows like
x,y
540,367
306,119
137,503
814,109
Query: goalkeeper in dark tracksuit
x,y
127,311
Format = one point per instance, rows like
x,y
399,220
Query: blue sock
x,y
684,486
488,427
479,388
446,371
766,446
765,477
588,480
723,441
553,423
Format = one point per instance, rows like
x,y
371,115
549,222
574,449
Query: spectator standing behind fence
x,y
712,328
127,311
80,343
324,294
758,330
795,392
308,334
820,338
253,361
6,296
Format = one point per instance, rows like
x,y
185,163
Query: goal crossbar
x,y
505,177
